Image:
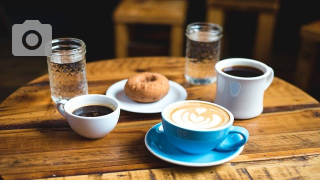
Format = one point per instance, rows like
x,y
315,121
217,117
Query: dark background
x,y
92,22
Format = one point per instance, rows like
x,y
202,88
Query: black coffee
x,y
92,111
243,71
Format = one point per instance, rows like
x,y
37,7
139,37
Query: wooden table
x,y
37,142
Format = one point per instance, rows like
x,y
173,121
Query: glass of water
x,y
202,52
67,69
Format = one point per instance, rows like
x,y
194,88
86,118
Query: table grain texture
x,y
36,142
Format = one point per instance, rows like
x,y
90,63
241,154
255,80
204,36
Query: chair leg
x,y
176,44
264,37
217,16
121,40
305,64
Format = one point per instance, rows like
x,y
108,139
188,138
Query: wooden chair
x,y
150,12
308,55
267,14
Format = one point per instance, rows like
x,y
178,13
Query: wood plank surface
x,y
37,142
295,168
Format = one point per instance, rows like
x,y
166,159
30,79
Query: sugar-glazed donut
x,y
147,87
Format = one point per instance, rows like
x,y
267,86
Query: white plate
x,y
176,93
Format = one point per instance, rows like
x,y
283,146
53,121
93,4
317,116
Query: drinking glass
x,y
202,52
67,69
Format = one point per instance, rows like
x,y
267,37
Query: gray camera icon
x,y
31,39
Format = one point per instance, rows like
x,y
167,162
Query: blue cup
x,y
190,139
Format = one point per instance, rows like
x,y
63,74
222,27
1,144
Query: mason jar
x,y
67,69
202,52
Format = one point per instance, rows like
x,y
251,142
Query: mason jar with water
x,y
202,52
67,69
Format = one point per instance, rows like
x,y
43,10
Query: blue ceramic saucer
x,y
158,144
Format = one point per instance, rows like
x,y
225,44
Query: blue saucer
x,y
158,144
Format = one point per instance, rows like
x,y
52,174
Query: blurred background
x,y
93,23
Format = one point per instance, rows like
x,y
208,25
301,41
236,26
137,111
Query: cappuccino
x,y
197,115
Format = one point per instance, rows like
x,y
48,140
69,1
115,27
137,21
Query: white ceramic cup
x,y
90,127
243,96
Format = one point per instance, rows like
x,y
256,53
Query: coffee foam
x,y
196,115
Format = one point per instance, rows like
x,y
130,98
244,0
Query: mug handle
x,y
229,143
60,107
269,79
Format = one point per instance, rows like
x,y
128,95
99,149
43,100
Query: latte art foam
x,y
198,116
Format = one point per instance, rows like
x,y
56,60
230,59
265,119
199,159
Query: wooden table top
x,y
37,142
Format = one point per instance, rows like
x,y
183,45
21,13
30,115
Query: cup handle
x,y
229,143
60,107
269,79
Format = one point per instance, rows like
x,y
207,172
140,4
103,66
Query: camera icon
x,y
31,39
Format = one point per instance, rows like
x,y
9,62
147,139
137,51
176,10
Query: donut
x,y
147,87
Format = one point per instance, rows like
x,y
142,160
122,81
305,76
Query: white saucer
x,y
158,144
176,93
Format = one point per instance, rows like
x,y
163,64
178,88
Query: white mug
x,y
90,127
243,96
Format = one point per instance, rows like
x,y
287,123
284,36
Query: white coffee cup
x,y
90,127
243,96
